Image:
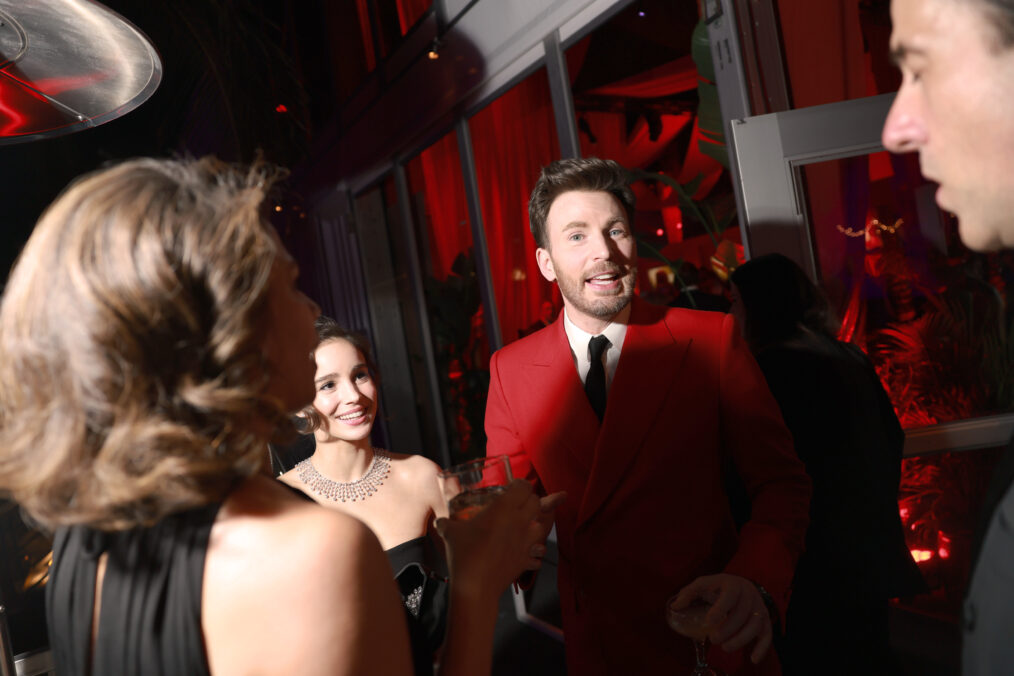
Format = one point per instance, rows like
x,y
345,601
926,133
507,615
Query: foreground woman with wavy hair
x,y
152,341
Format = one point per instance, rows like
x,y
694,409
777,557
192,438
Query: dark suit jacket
x,y
988,611
695,299
646,512
848,436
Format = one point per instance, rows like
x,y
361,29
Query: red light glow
x,y
660,232
280,108
943,553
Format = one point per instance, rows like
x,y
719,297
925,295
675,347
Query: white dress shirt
x,y
579,339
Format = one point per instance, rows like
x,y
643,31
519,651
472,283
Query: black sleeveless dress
x,y
420,573
150,622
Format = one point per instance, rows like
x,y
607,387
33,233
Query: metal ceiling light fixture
x,y
67,65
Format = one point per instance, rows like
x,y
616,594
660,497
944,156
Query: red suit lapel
x,y
648,366
555,412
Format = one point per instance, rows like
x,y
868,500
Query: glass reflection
x,y
931,315
454,309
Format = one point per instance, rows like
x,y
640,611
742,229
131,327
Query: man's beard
x,y
601,307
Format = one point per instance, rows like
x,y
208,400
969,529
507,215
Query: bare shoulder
x,y
262,518
291,478
420,473
284,577
415,466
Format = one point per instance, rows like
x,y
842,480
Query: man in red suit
x,y
642,436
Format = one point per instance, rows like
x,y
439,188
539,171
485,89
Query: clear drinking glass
x,y
692,623
470,486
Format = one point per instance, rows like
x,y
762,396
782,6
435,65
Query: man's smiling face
x,y
591,255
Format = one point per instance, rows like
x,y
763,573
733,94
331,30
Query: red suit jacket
x,y
646,511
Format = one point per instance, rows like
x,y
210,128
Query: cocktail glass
x,y
692,623
470,486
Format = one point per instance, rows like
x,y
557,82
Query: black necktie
x,y
595,383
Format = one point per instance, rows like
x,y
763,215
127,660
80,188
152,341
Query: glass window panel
x,y
393,19
931,315
426,408
367,35
652,111
940,501
512,139
332,69
454,310
410,11
836,51
386,25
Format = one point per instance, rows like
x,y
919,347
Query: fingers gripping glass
x,y
470,486
692,622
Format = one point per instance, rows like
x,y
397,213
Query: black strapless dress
x,y
420,573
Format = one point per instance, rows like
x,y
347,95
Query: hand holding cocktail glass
x,y
735,617
497,525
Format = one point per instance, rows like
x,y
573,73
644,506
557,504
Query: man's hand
x,y
544,521
737,616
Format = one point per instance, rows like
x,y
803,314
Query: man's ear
x,y
545,262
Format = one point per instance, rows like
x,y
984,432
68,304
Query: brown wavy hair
x,y
328,330
130,370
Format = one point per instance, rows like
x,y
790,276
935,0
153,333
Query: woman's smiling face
x,y
346,395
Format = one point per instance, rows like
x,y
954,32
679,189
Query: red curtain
x,y
512,139
364,30
409,12
437,173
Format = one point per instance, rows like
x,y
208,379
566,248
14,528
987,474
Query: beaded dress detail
x,y
338,491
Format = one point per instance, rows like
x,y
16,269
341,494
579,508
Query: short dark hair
x,y
589,174
327,331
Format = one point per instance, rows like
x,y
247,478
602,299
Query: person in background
x,y
693,296
634,409
848,436
662,291
152,341
546,315
954,109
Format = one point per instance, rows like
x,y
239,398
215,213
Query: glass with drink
x,y
470,486
692,622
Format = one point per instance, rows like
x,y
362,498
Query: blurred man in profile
x,y
956,109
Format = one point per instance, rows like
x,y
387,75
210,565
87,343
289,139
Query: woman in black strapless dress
x,y
395,494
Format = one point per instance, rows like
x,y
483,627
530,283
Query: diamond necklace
x,y
351,491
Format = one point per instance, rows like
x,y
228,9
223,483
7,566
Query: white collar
x,y
578,338
615,331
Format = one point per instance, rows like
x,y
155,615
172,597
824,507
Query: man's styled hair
x,y
588,174
131,373
329,330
